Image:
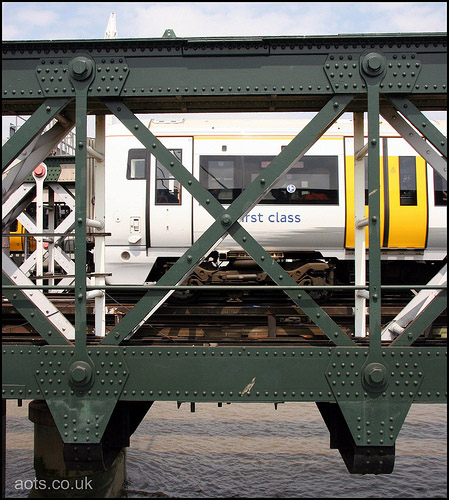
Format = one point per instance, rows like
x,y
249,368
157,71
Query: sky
x,y
74,20
88,20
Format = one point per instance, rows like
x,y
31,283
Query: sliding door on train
x,y
406,205
403,196
169,204
350,194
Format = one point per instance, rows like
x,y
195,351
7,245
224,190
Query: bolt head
x,y
80,373
373,63
226,219
40,171
80,68
375,377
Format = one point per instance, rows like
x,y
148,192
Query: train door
x,y
350,188
406,203
169,204
403,196
437,205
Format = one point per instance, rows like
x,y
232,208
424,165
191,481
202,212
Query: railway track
x,y
212,320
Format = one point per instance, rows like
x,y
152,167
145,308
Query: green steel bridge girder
x,y
373,387
367,393
228,74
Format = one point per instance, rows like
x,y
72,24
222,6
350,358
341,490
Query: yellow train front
x,y
19,242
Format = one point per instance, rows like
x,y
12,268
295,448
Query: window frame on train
x,y
293,188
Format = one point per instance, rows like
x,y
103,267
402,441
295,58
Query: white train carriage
x,y
308,215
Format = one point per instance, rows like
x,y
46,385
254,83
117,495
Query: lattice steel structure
x,y
97,394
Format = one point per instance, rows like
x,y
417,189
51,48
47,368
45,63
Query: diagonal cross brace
x,y
409,134
35,307
35,153
422,321
227,220
27,132
421,123
281,278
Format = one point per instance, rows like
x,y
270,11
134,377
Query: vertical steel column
x,y
373,69
374,222
51,229
80,221
81,70
99,182
39,177
359,229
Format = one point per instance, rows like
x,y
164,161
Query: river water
x,y
251,450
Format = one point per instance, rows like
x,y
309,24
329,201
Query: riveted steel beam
x,y
374,221
82,71
227,74
183,373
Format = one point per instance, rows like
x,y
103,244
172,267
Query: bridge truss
x,y
98,393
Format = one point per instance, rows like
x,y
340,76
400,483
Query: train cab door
x,y
350,190
406,210
169,204
403,196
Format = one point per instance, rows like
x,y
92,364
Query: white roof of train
x,y
247,126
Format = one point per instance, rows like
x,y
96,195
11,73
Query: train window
x,y
407,180
137,164
366,179
440,189
313,180
222,176
168,189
